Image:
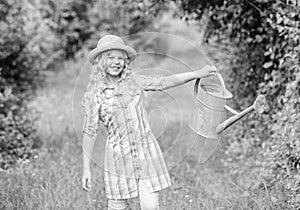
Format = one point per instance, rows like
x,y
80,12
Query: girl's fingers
x,y
206,71
83,184
213,68
86,184
210,69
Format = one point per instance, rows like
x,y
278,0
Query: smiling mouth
x,y
116,68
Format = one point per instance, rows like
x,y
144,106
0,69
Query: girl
x,y
134,164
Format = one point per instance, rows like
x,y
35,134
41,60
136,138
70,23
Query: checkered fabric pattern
x,y
132,152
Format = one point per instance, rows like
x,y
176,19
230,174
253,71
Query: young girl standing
x,y
134,164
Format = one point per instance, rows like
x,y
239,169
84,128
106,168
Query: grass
x,y
52,179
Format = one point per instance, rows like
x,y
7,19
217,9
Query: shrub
x,y
18,139
264,39
81,23
24,54
36,36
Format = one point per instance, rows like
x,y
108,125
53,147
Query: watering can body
x,y
210,111
209,118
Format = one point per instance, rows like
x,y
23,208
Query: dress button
x,y
135,156
133,143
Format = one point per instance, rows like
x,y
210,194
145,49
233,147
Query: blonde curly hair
x,y
98,78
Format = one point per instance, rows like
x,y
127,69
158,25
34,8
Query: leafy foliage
x,y
36,36
80,23
19,76
264,38
18,139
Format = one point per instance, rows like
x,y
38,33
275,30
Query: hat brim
x,y
131,53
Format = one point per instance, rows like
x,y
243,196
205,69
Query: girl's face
x,y
115,63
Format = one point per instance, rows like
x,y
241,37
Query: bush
x,y
81,23
18,139
264,39
36,36
24,54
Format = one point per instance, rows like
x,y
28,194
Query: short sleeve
x,y
91,116
153,82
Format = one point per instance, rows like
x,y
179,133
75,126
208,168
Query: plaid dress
x,y
132,151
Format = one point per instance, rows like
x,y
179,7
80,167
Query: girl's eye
x,y
121,59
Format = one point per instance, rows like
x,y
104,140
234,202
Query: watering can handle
x,y
199,80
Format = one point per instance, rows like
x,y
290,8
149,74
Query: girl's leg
x,y
117,204
148,200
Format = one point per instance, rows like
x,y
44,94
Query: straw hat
x,y
111,42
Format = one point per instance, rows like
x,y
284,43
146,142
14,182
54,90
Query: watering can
x,y
209,118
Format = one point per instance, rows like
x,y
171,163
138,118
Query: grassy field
x,y
52,180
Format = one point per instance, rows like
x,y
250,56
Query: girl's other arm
x,y
90,128
87,151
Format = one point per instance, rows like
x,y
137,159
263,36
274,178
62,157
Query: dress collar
x,y
111,86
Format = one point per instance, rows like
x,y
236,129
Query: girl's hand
x,y
86,180
205,71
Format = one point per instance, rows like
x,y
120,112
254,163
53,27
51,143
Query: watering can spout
x,y
259,106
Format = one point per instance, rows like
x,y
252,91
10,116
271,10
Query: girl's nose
x,y
116,60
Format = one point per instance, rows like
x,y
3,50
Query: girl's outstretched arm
x,y
182,78
87,151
